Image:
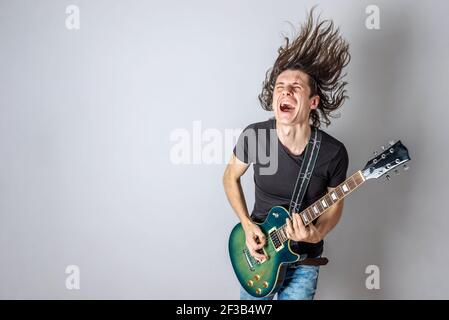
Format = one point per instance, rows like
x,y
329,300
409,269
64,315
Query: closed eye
x,y
280,87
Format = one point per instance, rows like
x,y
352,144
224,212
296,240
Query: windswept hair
x,y
320,52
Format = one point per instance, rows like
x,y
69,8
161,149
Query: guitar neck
x,y
320,206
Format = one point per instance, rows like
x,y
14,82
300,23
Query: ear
x,y
314,102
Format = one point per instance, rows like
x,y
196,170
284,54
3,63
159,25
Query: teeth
x,y
285,104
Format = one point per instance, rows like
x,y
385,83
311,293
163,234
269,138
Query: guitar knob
x,y
250,283
258,291
257,277
265,284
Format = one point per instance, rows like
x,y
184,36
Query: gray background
x,y
85,124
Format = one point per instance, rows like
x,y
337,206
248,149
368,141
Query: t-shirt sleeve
x,y
338,167
245,147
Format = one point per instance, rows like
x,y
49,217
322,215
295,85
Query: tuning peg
x,y
406,167
375,152
391,142
383,148
396,172
387,177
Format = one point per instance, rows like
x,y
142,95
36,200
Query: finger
x,y
258,246
299,224
289,227
259,240
296,223
254,244
261,237
258,256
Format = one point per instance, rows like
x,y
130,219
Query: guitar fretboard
x,y
321,205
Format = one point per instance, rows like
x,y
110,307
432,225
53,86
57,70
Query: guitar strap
x,y
304,176
305,173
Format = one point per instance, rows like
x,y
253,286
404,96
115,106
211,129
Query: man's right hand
x,y
255,241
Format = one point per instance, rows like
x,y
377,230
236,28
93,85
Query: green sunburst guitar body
x,y
262,279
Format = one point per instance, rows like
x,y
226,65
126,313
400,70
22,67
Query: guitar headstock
x,y
390,159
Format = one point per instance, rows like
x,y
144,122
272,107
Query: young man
x,y
302,89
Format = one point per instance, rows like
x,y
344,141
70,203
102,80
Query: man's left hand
x,y
297,231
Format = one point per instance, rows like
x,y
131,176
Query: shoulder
x,y
268,124
332,145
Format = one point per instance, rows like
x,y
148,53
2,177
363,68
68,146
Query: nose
x,y
287,91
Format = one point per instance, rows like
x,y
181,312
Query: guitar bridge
x,y
249,259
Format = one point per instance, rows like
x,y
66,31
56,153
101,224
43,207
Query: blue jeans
x,y
299,284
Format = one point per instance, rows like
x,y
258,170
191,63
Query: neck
x,y
294,137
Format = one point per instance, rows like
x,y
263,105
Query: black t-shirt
x,y
276,171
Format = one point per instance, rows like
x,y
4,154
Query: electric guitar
x,y
261,279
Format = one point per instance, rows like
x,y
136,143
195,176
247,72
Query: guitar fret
x,y
310,214
339,192
324,202
320,207
358,178
305,217
329,199
351,184
354,180
334,196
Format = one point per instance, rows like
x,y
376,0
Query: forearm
x,y
236,198
328,220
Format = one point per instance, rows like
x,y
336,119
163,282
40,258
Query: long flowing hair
x,y
322,53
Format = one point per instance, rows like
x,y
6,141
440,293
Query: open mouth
x,y
286,106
